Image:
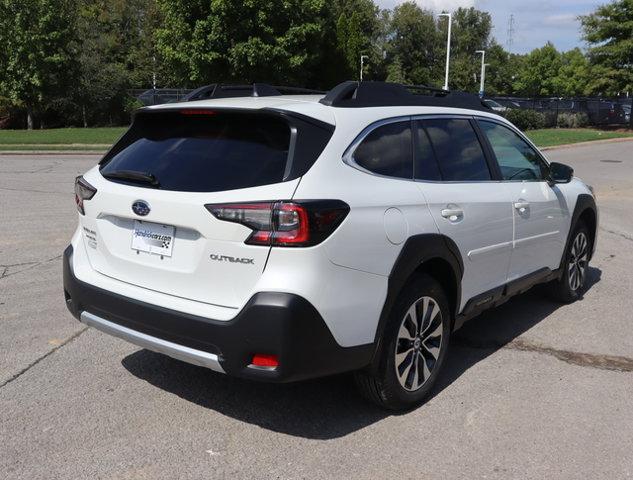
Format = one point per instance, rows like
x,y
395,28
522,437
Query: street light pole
x,y
482,78
448,47
362,65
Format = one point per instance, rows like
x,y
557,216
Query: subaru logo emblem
x,y
141,208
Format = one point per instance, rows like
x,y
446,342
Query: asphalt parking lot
x,y
532,389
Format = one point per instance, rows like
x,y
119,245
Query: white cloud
x,y
448,5
559,20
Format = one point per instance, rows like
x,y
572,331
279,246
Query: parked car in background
x,y
627,113
497,107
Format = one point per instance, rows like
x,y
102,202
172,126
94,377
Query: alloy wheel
x,y
577,267
419,343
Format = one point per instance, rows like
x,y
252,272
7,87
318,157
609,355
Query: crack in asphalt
x,y
33,191
46,355
589,360
619,234
30,266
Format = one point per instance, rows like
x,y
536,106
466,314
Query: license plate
x,y
153,238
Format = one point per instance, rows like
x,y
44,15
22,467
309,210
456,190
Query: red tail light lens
x,y
83,191
285,224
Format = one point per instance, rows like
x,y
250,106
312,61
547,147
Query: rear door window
x,y
204,151
459,154
387,150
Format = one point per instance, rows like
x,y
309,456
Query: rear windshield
x,y
198,151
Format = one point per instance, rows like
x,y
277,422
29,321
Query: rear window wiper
x,y
133,176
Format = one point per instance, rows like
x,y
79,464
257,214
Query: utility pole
x,y
482,77
510,33
448,47
362,65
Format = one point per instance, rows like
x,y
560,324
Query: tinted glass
x,y
516,159
425,163
204,153
459,153
387,151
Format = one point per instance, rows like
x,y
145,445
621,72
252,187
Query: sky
x,y
535,21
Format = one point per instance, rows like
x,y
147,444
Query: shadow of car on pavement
x,y
330,407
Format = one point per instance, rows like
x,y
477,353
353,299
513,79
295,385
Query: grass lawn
x,y
47,139
549,137
102,138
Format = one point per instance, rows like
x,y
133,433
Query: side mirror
x,y
560,173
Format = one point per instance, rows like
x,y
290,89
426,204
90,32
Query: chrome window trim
x,y
348,155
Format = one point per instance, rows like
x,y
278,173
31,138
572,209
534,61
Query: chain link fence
x,y
569,112
157,96
556,112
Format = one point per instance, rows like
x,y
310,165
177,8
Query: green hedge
x,y
572,120
526,119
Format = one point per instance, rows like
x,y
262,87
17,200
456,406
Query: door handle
x,y
521,206
453,214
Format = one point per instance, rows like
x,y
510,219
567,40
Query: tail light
x,y
83,191
284,224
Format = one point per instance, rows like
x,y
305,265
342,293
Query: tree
x,y
36,60
414,51
359,27
116,53
205,41
470,32
539,73
574,74
609,31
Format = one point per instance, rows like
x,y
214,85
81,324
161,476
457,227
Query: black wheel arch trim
x,y
416,251
584,203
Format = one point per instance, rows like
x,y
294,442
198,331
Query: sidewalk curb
x,y
590,142
52,152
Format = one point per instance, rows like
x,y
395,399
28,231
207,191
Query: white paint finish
x,y
396,226
349,300
483,234
189,273
540,226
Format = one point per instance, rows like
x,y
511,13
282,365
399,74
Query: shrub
x,y
525,119
572,120
131,104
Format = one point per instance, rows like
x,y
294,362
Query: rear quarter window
x,y
387,150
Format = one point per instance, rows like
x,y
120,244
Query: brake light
x,y
284,224
196,111
83,191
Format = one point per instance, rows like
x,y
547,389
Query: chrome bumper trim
x,y
180,352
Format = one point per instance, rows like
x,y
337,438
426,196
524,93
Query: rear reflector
x,y
263,360
285,224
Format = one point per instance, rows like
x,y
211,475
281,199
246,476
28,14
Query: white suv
x,y
282,237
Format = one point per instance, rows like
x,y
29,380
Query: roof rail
x,y
220,90
352,94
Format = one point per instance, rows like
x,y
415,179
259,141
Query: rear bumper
x,y
273,323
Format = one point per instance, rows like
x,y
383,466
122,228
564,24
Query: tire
x,y
573,280
419,325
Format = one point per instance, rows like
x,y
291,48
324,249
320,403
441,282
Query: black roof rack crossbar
x,y
353,94
220,90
